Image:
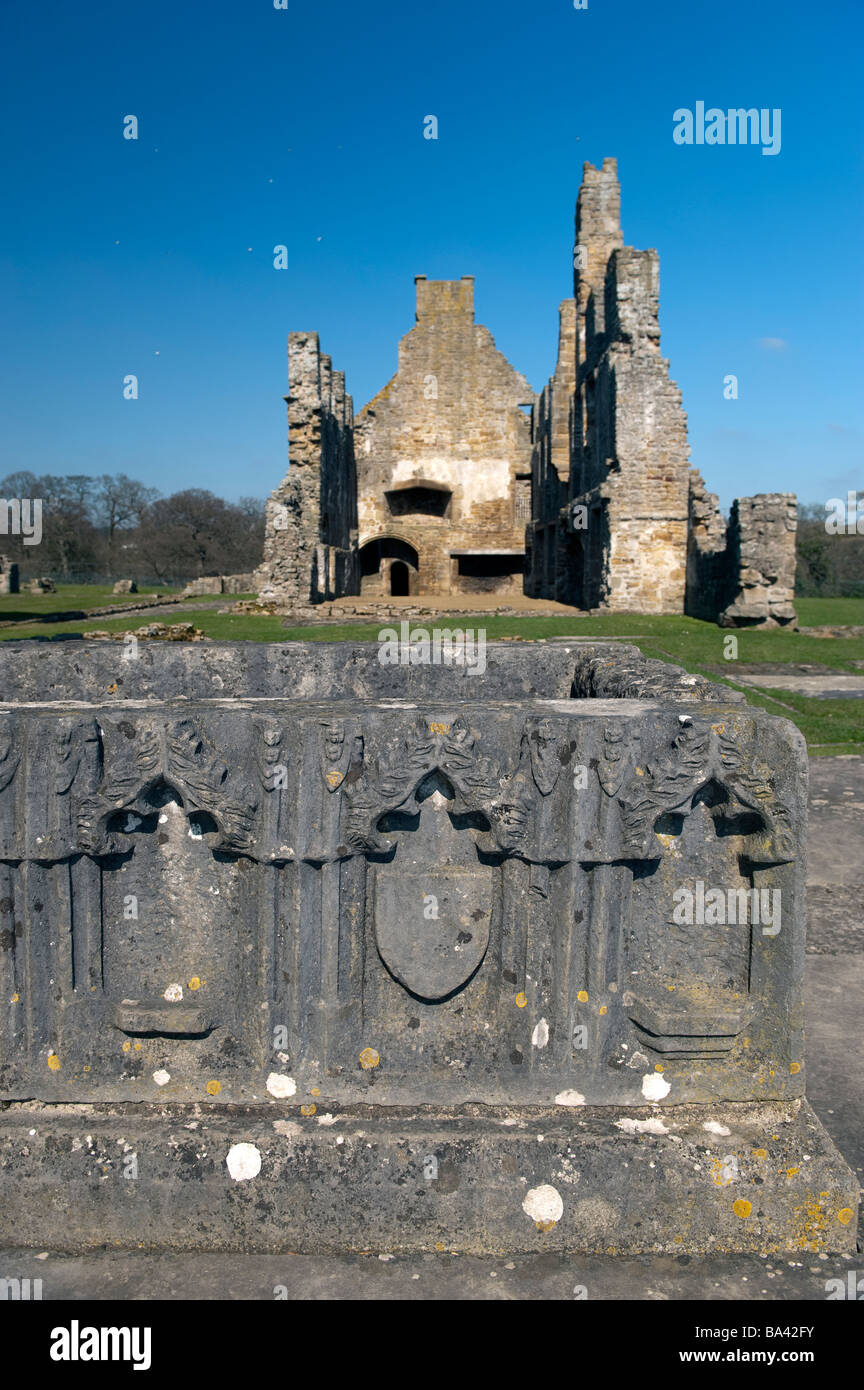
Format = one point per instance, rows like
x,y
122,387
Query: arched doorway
x,y
399,581
386,567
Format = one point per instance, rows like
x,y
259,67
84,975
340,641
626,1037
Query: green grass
x,y
814,612
830,726
16,607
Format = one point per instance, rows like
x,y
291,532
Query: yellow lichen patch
x,y
369,1058
334,777
760,1153
792,1172
844,1215
545,1225
658,1066
670,988
112,688
315,1091
138,1047
521,1000
742,1208
126,1046
308,1110
603,1009
582,996
439,728
53,1061
666,840
213,1088
15,998
86,1067
719,728
640,771
794,1068
194,983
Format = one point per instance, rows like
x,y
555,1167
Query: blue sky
x,y
304,127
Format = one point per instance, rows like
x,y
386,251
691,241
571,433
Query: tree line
x,y
114,527
829,566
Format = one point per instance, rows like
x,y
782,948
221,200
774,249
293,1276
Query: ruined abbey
x,y
456,479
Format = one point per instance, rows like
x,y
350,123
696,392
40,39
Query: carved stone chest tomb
x,y
299,951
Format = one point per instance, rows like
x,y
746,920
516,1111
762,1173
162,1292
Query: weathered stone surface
x,y
310,543
294,880
651,1179
444,457
220,584
9,583
125,586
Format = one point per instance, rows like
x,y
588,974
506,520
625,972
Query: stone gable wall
x,y
448,421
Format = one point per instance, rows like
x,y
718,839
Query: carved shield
x,y
432,927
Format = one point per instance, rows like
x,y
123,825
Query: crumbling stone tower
x,y
310,545
610,522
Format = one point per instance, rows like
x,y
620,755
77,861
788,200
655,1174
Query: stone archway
x,y
388,565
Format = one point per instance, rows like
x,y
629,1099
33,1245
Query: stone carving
x,y
465,902
180,755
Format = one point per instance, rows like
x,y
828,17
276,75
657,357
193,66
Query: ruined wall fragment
x,y
310,544
443,456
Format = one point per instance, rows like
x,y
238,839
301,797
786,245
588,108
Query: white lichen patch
x,y
161,1077
281,1086
650,1126
244,1162
543,1204
288,1128
327,1119
174,993
714,1128
655,1086
569,1098
540,1036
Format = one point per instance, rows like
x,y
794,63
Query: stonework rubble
x,y
353,956
445,485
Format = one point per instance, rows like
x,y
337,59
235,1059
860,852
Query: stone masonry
x,y
310,545
350,956
444,457
742,573
445,485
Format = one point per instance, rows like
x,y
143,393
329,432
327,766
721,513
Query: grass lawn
x,y
15,607
830,726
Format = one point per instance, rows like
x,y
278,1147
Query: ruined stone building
x,y
457,479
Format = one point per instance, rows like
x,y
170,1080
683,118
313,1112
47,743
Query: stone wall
x,y
443,458
310,545
762,561
741,574
620,542
348,929
9,581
